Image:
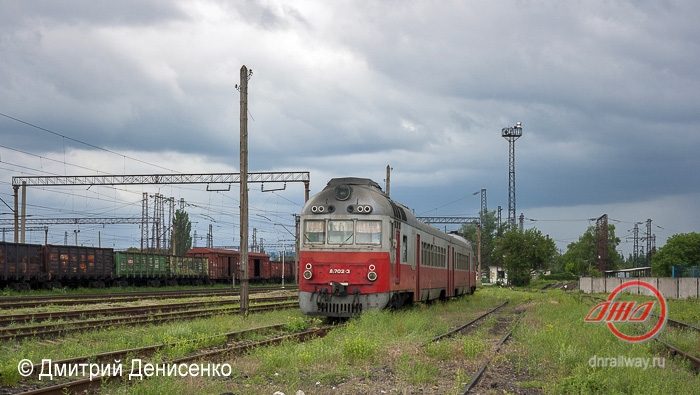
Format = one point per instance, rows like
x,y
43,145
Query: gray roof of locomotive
x,y
367,192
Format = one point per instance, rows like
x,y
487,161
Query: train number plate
x,y
339,271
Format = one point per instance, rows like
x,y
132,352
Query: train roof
x,y
342,194
353,181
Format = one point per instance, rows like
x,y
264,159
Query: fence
x,y
671,288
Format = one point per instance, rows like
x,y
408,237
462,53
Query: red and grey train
x,y
361,250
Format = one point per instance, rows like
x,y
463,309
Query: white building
x,y
498,274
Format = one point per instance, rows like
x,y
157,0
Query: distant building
x,y
497,274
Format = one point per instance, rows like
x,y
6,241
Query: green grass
x,y
416,371
192,335
554,345
387,350
473,346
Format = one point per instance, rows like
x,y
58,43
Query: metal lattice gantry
x,y
147,179
511,134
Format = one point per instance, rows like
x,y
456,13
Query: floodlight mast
x,y
511,134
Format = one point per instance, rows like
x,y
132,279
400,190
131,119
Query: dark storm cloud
x,y
608,91
616,80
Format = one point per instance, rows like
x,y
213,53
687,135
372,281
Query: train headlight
x,y
371,268
367,209
343,192
322,209
308,274
308,266
371,276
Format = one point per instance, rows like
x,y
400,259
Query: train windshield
x,y
368,232
314,231
340,232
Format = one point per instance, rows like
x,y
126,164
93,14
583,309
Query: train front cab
x,y
344,266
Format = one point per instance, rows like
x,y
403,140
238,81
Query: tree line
x,y
524,253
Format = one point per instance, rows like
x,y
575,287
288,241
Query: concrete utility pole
x,y
297,244
255,240
521,221
24,212
16,191
483,209
284,252
648,240
499,220
601,231
478,253
388,180
244,76
635,242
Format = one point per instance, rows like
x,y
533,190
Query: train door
x,y
256,268
416,296
397,270
450,268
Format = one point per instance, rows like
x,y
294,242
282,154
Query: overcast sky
x,y
607,92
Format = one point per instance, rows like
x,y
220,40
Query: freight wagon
x,y
21,264
24,266
225,263
73,265
149,269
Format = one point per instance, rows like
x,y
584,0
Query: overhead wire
x,y
83,142
211,208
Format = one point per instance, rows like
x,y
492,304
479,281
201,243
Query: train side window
x,y
314,232
368,232
404,248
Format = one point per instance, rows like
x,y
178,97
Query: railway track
x,y
110,311
84,385
76,326
476,321
36,301
460,328
482,369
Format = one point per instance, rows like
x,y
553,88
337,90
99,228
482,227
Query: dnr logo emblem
x,y
612,311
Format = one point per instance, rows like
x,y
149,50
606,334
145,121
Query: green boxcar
x,y
138,265
188,267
